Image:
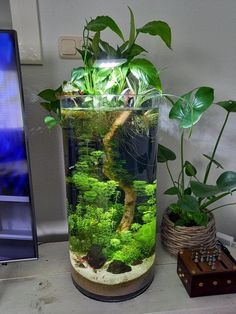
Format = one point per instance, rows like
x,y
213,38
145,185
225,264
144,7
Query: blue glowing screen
x,y
13,167
16,227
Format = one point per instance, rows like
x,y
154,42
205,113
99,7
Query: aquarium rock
x,y
95,257
118,267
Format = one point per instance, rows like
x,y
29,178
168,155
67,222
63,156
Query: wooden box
x,y
200,279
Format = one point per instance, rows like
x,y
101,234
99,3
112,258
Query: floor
x,y
45,287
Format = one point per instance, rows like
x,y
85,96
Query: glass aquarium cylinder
x,y
110,146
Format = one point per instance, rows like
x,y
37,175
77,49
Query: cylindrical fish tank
x,y
110,146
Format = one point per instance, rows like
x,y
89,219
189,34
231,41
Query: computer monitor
x,y
17,222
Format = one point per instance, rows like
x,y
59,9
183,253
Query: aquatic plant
x,y
135,76
98,215
109,209
110,71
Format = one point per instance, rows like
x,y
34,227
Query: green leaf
x,y
214,161
51,106
58,90
50,122
77,74
95,44
229,105
188,191
101,74
158,28
77,80
201,219
188,203
189,108
226,181
48,95
46,105
180,222
164,154
110,51
190,170
123,46
188,211
145,71
87,57
203,98
204,190
102,22
133,52
132,29
172,191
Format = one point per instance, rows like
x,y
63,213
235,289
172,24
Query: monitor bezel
x,y
13,33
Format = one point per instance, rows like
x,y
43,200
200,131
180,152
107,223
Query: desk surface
x,y
45,287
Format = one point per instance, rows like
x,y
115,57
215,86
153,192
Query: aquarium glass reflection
x,y
110,159
16,233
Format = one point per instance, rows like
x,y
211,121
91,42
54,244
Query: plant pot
x,y
174,238
110,163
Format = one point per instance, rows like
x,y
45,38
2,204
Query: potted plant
x,y
109,115
189,221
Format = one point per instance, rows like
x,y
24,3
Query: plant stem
x,y
172,179
221,206
182,162
215,199
88,79
208,168
170,100
196,178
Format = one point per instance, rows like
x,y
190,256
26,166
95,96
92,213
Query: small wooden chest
x,y
200,279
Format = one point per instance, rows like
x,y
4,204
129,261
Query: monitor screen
x,y
17,228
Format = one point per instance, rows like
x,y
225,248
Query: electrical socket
x,y
67,46
225,239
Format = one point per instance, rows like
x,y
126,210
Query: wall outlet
x,y
225,239
67,46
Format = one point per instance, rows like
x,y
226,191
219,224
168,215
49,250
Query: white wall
x,y
5,15
204,53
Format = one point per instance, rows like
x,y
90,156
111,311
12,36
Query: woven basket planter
x,y
174,238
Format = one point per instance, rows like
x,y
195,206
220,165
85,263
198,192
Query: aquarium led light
x,y
108,63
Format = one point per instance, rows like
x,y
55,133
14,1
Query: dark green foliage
x,y
158,28
135,245
102,22
99,211
100,201
146,209
97,217
190,170
164,154
92,225
188,211
129,253
52,104
135,74
92,124
228,105
139,242
190,107
195,195
146,237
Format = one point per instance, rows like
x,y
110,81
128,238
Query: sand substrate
x,y
101,282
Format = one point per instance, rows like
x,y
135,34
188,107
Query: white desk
x,y
45,287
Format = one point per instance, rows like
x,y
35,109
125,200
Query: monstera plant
x,y
195,196
196,199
